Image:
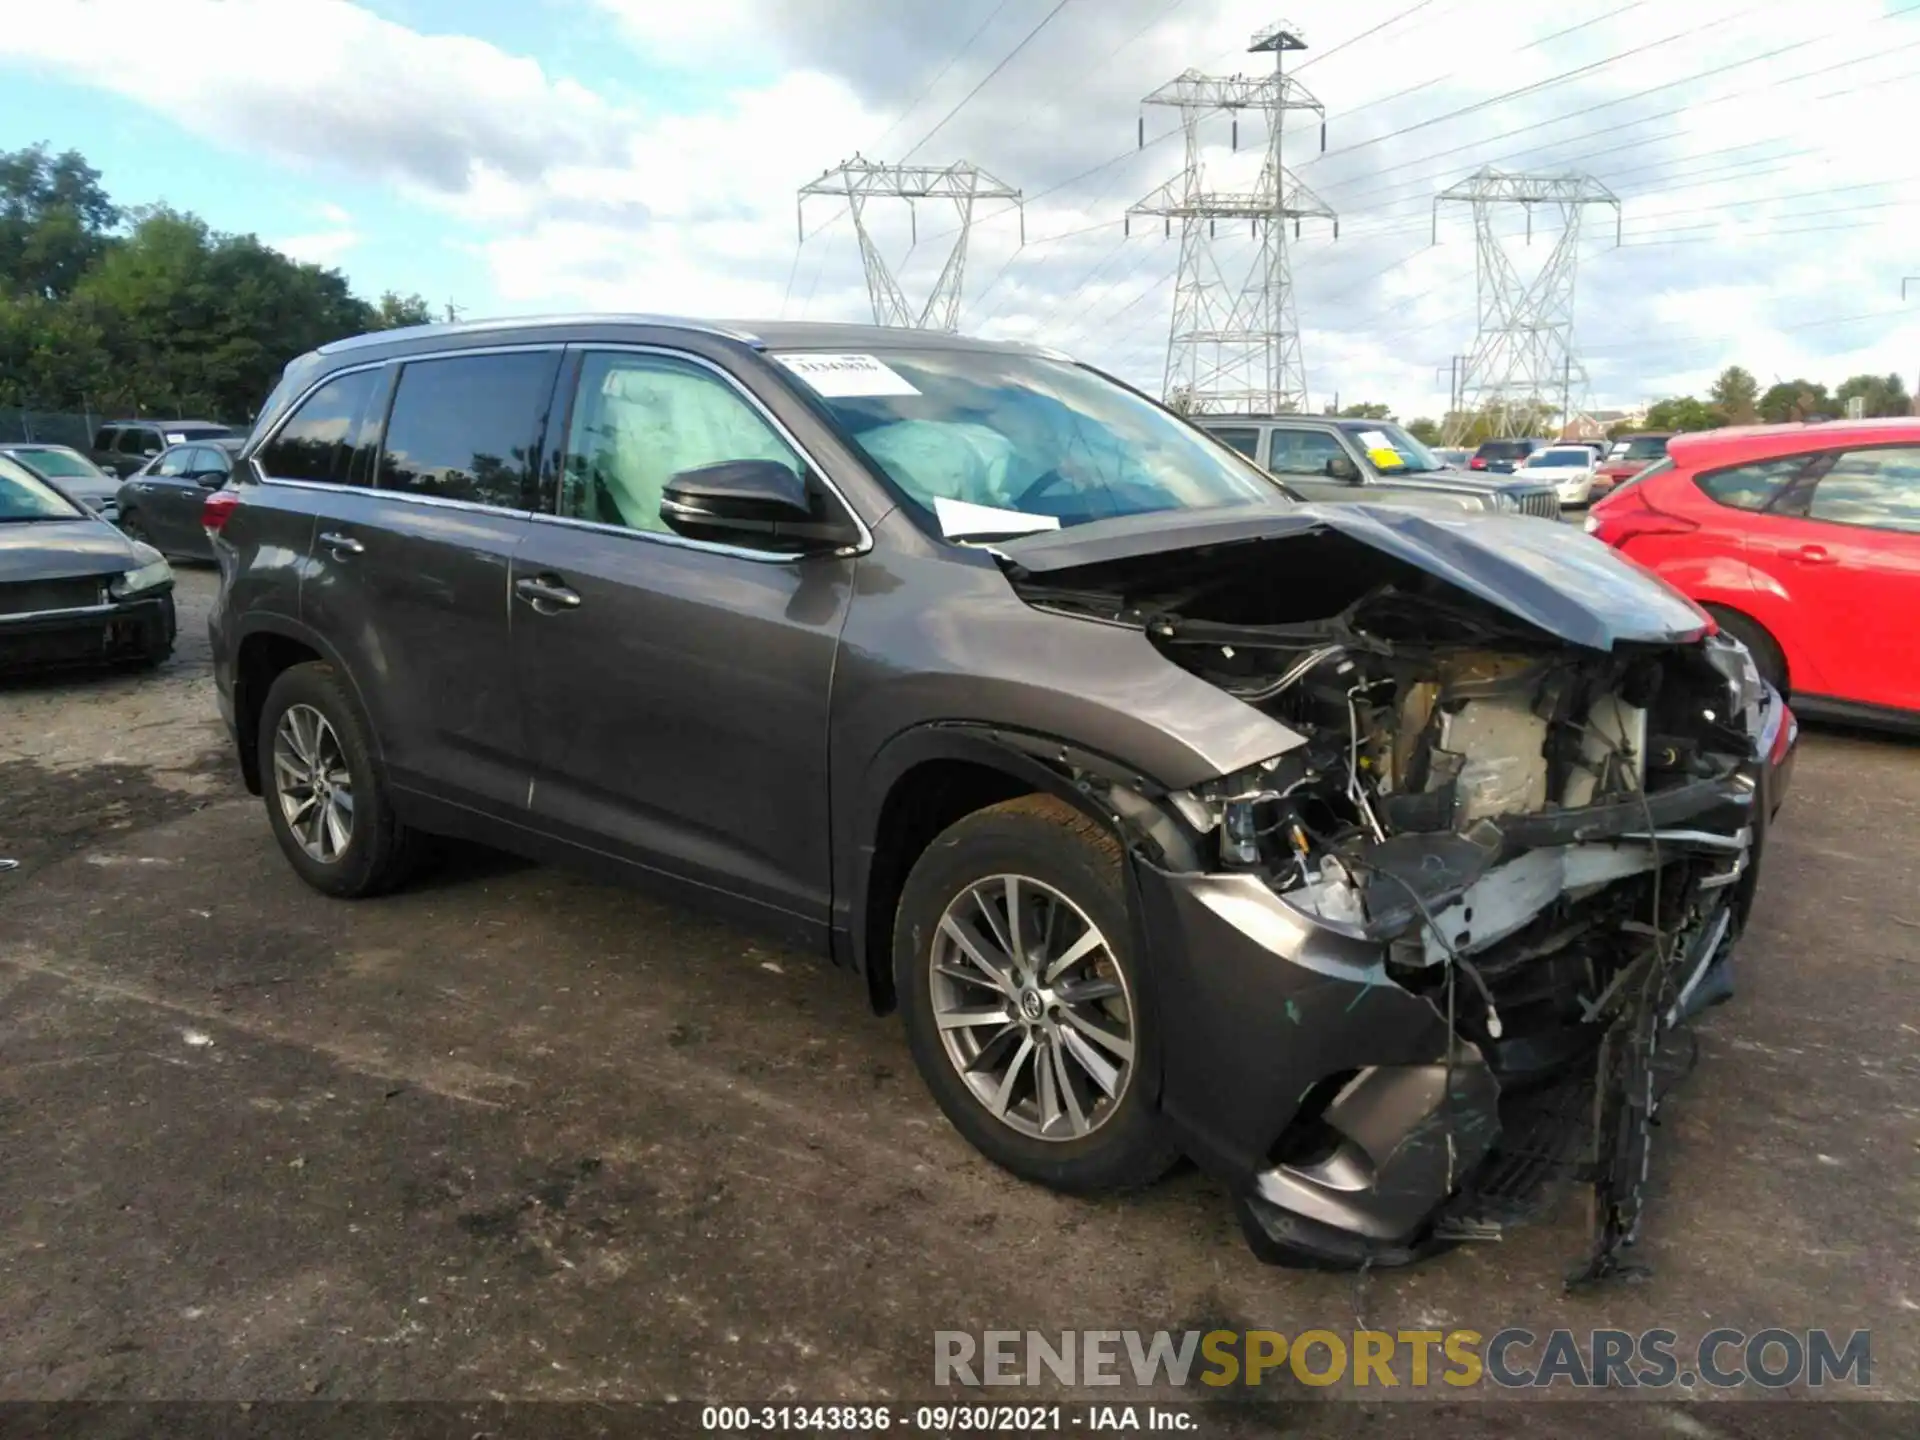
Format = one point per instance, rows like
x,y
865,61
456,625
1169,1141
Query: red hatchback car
x,y
1803,541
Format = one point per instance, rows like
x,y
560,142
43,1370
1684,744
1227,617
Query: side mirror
x,y
1341,467
211,479
759,503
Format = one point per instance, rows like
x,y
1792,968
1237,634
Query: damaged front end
x,y
1423,965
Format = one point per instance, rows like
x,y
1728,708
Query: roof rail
x,y
530,322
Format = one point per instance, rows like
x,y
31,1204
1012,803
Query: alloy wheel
x,y
1033,1009
312,783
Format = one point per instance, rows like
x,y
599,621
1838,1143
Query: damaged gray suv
x,y
1369,857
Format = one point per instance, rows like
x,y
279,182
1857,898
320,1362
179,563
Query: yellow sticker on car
x,y
1386,459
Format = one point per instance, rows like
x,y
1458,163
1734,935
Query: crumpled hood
x,y
1546,573
62,549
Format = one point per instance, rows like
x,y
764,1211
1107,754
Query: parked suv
x,y
1154,800
1373,460
1503,457
123,446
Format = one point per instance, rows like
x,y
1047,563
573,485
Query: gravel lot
x,y
514,1134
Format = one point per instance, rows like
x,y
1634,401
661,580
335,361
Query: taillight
x,y
1476,463
215,509
1628,516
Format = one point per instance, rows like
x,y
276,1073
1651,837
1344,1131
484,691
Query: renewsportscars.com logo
x,y
1514,1358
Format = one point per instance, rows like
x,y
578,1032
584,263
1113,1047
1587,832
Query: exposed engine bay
x,y
1548,841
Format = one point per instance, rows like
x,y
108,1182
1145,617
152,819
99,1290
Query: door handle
x,y
343,546
1813,555
546,594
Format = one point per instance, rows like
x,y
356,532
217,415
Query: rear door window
x,y
106,438
1878,489
1754,486
1245,439
136,441
317,441
469,428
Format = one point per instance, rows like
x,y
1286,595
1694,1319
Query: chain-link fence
x,y
24,424
48,427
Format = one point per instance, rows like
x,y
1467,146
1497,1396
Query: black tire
x,y
157,645
380,852
1764,648
1049,841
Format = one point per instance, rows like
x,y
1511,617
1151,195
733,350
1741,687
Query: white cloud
x,y
322,247
1740,245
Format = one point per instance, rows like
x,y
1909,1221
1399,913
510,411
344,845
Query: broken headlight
x,y
1746,691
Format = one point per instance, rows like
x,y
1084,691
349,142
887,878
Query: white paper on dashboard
x,y
847,377
961,517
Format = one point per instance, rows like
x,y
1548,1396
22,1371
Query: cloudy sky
x,y
524,155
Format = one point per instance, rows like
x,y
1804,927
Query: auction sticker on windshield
x,y
845,377
1379,449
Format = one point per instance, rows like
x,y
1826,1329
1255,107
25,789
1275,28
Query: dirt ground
x,y
511,1134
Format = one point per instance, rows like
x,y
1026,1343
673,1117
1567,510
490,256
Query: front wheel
x,y
1025,1005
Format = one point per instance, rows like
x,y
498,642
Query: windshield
x,y
25,496
1553,459
1394,452
1650,447
60,463
989,442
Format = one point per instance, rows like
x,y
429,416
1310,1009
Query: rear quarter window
x,y
1753,486
318,440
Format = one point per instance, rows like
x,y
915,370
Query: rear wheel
x,y
325,793
1024,1002
1760,644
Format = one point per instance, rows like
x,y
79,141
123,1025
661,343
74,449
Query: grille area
x,y
26,596
1543,502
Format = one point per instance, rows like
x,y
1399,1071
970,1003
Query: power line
x,y
1364,34
1536,86
1005,60
934,84
1689,108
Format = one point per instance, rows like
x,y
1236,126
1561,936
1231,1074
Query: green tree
x,y
1791,400
1737,395
51,356
1369,410
394,311
1426,431
201,322
1684,412
1492,423
55,221
1883,394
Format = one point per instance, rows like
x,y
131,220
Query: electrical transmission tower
x,y
1234,345
1522,362
858,181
